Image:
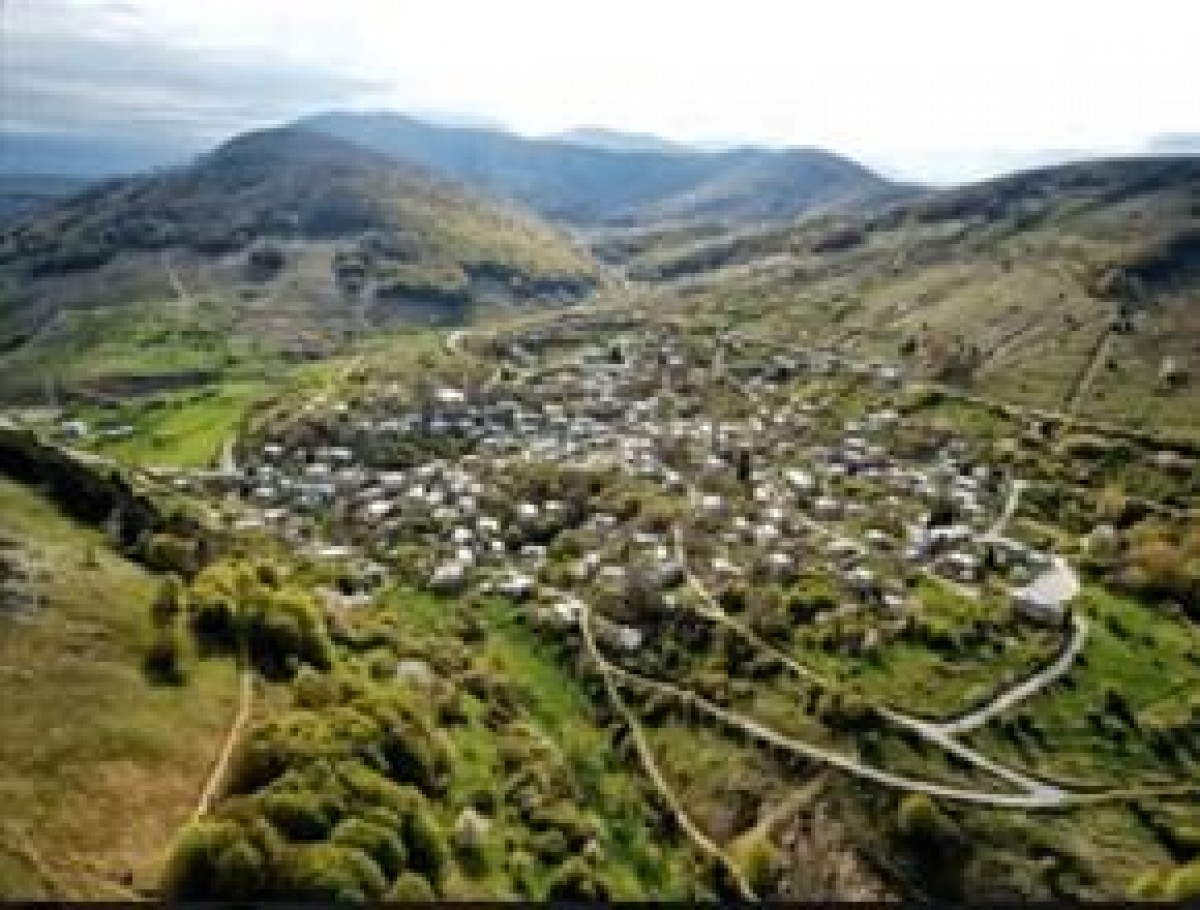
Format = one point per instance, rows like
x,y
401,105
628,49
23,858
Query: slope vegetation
x,y
321,234
1072,288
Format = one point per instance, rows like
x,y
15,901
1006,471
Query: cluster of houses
x,y
764,493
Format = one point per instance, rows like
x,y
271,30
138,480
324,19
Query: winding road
x,y
1023,690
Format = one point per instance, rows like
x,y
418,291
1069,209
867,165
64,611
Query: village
x,y
731,480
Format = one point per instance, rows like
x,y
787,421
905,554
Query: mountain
x,y
315,229
583,185
1071,287
22,194
598,137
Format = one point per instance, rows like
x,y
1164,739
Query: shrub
x,y
384,846
328,872
1184,883
410,887
168,602
428,852
920,820
220,859
574,880
169,553
299,816
283,626
167,658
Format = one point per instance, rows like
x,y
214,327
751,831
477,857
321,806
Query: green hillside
x,y
278,239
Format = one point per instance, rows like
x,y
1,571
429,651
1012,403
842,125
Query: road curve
x,y
924,729
1024,689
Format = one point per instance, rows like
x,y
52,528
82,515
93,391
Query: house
x,y
74,429
1035,605
448,578
516,586
826,507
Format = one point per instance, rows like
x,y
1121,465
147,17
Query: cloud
x,y
100,74
932,89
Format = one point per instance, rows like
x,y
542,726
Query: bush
x,y
168,602
167,658
428,852
282,627
1184,883
328,872
220,859
384,846
410,887
299,816
574,880
920,820
169,553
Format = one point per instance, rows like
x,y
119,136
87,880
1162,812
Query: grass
x,y
97,768
187,429
1152,659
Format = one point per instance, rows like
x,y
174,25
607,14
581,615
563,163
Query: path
x,y
1023,690
227,461
698,837
454,341
176,284
994,534
1030,800
922,728
1090,370
233,735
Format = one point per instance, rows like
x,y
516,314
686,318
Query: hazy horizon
x,y
925,90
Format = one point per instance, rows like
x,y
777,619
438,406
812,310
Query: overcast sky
x,y
933,89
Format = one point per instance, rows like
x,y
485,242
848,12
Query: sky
x,y
934,90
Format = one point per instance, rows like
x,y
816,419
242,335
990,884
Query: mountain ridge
x,y
584,185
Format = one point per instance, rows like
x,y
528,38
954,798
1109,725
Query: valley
x,y
764,530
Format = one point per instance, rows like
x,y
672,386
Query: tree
x,y
166,660
168,602
428,852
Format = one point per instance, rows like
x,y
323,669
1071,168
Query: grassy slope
x,y
639,865
1021,286
188,429
97,768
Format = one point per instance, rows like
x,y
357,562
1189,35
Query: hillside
x,y
1072,287
587,185
99,768
286,234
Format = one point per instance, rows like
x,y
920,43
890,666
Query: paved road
x,y
1058,583
928,731
1023,690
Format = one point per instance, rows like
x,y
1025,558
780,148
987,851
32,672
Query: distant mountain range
x,y
585,177
598,137
584,184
